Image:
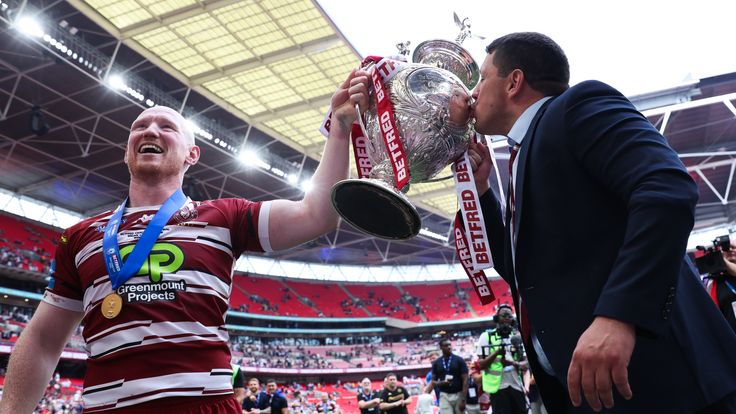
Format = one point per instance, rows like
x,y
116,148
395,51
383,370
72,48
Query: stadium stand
x,y
25,244
385,300
269,296
331,301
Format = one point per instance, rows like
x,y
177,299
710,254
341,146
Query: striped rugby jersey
x,y
169,339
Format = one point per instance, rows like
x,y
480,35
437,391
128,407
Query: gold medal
x,y
111,305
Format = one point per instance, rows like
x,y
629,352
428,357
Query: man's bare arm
x,y
292,223
35,356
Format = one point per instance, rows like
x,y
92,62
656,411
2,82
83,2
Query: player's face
x,y
158,144
271,387
366,385
490,103
391,383
254,386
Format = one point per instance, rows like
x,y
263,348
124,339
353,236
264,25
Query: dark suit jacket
x,y
604,209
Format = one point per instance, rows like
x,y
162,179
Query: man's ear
x,y
193,156
516,81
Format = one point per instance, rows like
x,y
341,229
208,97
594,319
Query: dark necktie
x,y
523,319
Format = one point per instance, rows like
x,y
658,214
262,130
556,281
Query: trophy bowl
x,y
420,95
449,56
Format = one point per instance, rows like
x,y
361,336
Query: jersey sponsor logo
x,y
164,258
149,292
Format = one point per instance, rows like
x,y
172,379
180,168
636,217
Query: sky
x,y
636,46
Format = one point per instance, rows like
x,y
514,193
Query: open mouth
x,y
150,149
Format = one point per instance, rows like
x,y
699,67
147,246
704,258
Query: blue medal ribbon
x,y
119,274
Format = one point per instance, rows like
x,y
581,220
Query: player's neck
x,y
143,193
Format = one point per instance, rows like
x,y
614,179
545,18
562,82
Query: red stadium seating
x,y
33,243
280,299
439,301
327,297
383,300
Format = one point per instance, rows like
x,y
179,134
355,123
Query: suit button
x,y
529,287
541,331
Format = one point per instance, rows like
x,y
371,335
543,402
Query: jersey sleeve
x,y
65,287
248,223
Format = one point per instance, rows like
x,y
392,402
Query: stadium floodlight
x,y
247,157
429,233
29,26
262,163
292,179
306,185
277,171
116,82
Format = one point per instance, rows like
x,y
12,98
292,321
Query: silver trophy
x,y
420,94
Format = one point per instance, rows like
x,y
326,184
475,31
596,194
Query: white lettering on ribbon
x,y
472,214
477,277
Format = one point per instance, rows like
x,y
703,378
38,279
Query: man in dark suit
x,y
593,245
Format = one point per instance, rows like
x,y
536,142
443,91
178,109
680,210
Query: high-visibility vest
x,y
236,370
493,374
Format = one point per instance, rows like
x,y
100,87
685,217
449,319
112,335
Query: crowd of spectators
x,y
36,260
292,353
251,353
62,396
24,249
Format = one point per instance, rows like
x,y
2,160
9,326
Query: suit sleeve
x,y
623,151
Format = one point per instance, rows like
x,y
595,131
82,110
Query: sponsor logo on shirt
x,y
165,258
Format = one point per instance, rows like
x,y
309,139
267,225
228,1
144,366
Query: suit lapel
x,y
521,166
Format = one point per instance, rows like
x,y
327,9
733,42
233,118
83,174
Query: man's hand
x,y
460,107
461,405
353,91
480,162
601,358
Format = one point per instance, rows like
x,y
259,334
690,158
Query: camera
x,y
711,261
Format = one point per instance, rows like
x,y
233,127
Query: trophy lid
x,y
450,56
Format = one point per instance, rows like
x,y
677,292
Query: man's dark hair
x,y
542,60
504,306
442,341
271,380
390,374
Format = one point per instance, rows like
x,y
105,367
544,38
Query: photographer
x,y
502,363
719,265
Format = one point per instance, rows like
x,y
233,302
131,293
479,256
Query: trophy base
x,y
374,208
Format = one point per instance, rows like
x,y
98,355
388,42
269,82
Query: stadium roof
x,y
254,78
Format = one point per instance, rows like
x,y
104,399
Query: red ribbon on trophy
x,y
474,251
381,70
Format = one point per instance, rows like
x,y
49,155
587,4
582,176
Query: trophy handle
x,y
359,116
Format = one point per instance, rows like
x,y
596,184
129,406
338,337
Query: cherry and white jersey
x,y
169,338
